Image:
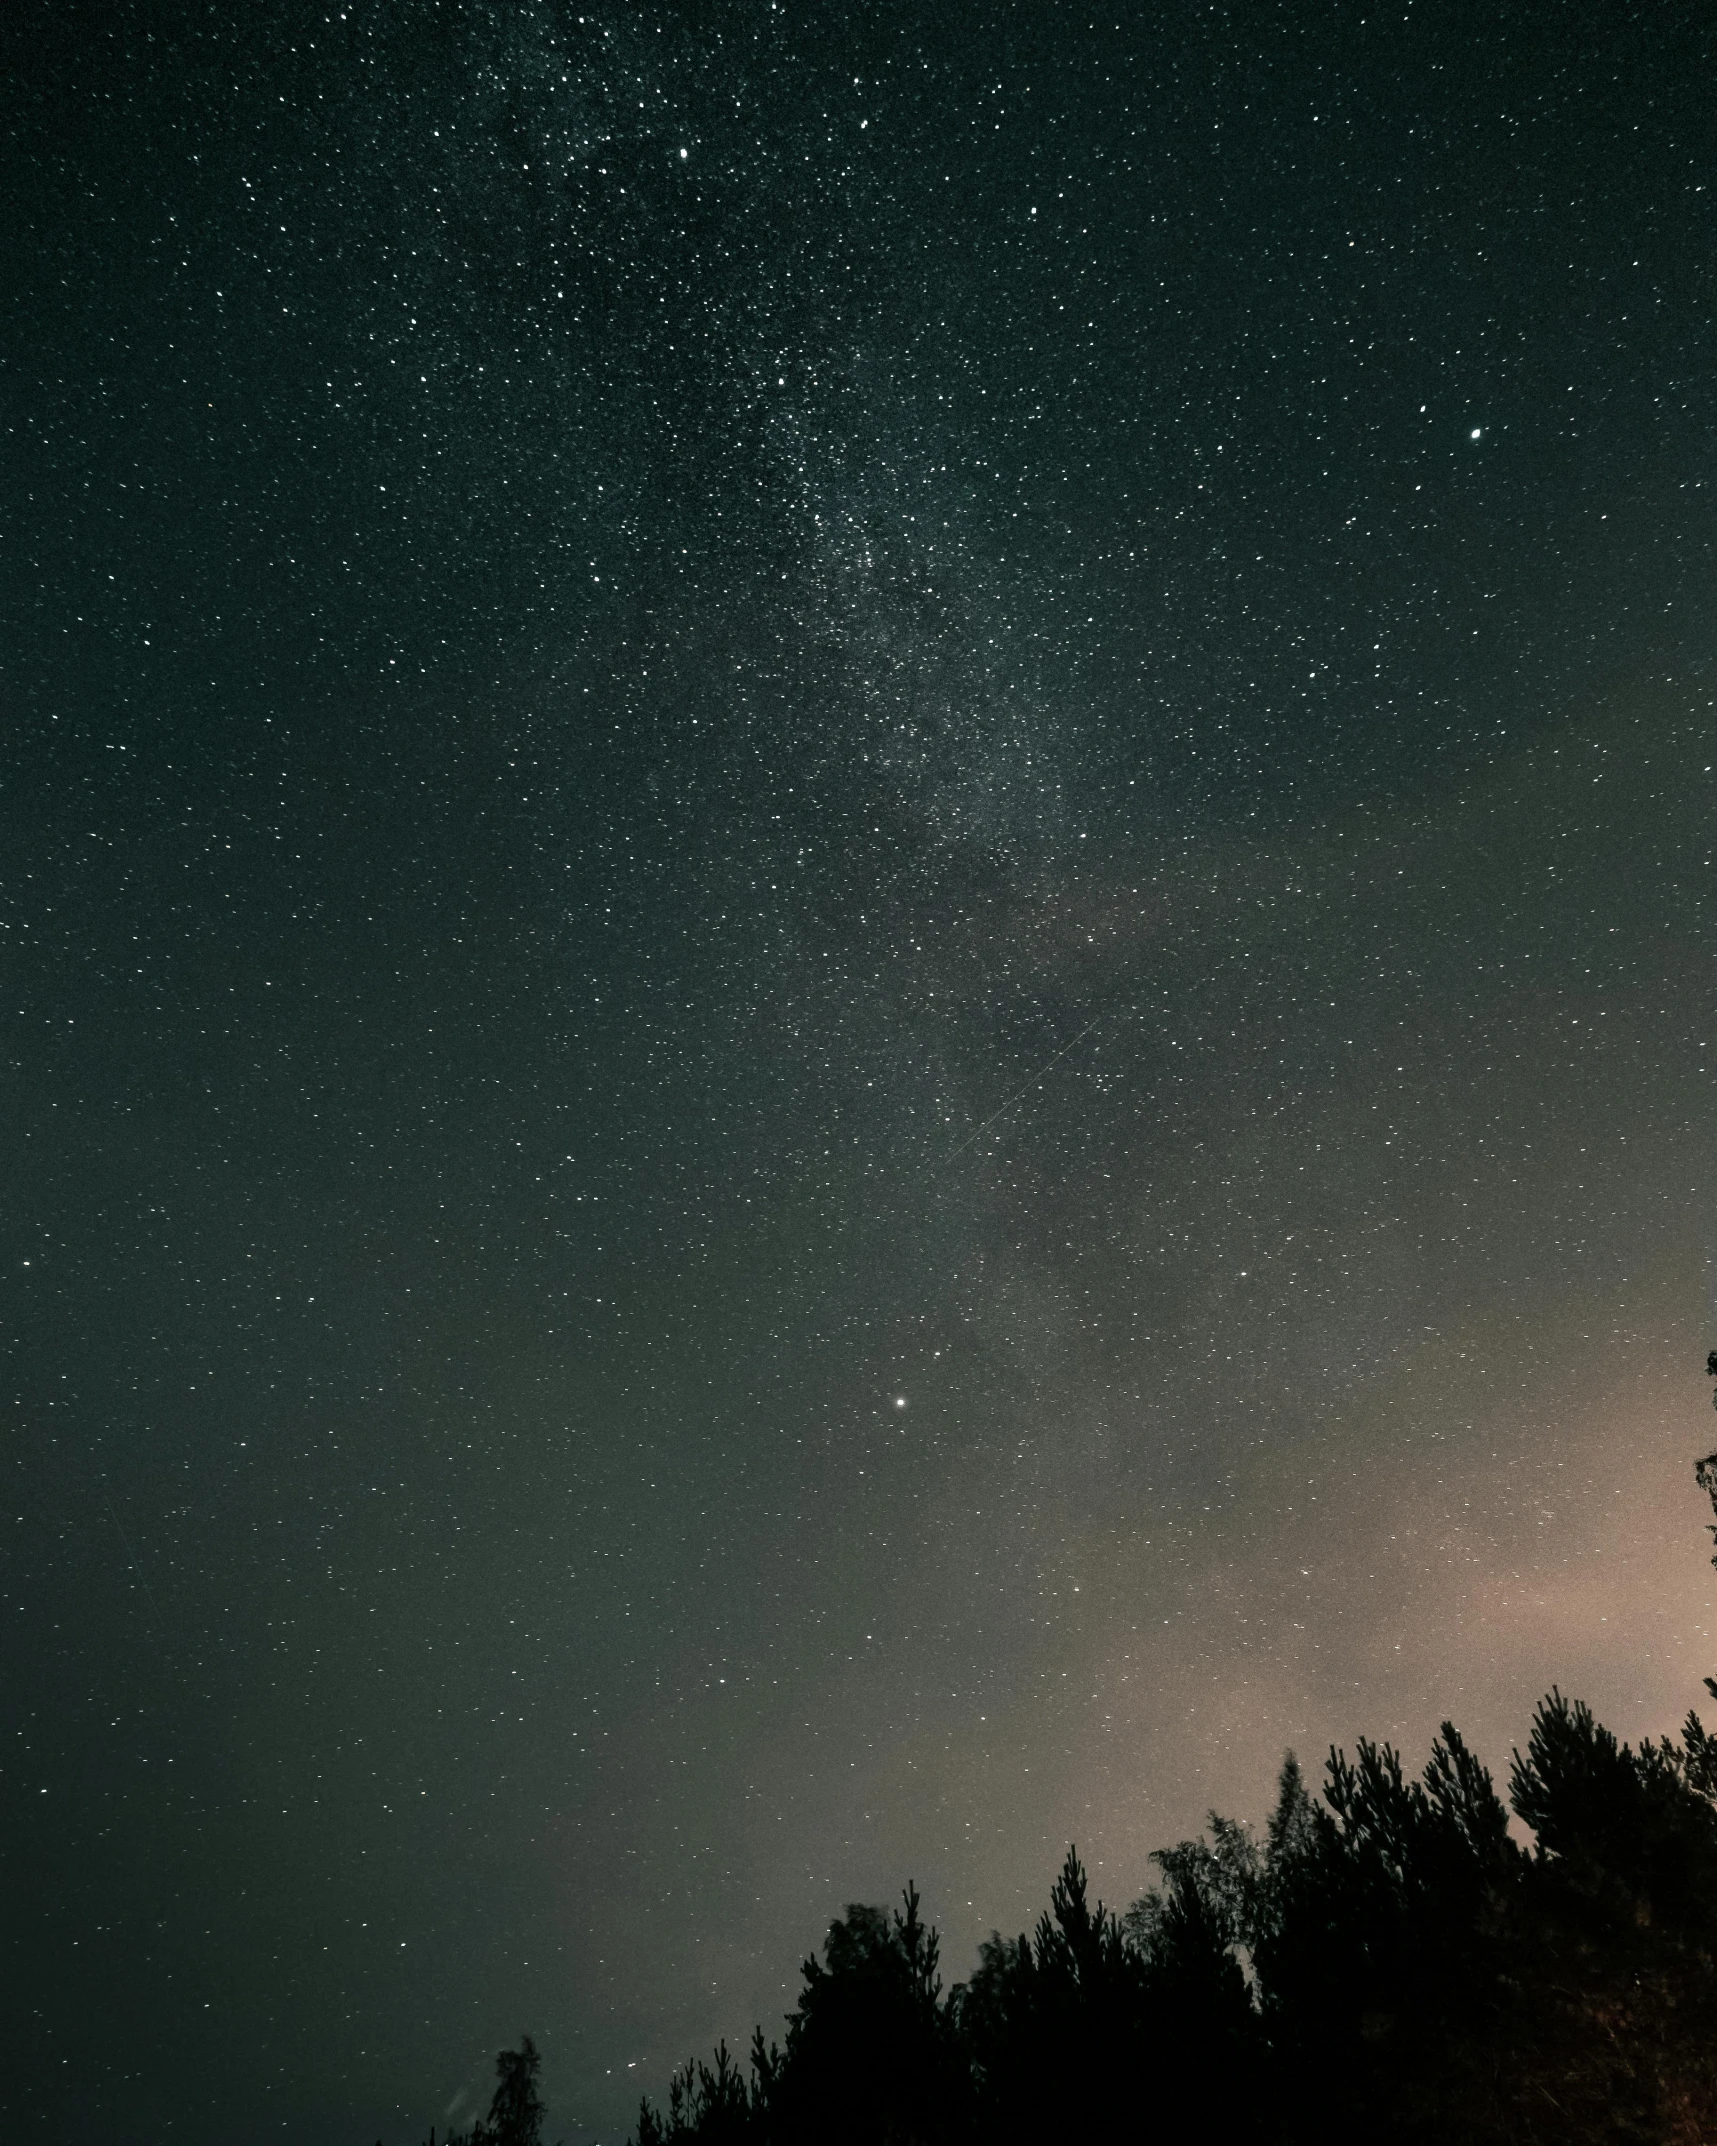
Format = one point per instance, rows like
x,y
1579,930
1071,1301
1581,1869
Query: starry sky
x,y
856,917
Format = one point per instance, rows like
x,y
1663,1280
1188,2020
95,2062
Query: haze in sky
x,y
858,953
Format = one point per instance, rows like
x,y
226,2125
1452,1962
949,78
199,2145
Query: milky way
x,y
858,958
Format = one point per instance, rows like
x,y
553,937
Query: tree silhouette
x,y
705,2102
1386,1959
515,2108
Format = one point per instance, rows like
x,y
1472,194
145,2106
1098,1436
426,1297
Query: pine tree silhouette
x,y
515,2108
1386,1959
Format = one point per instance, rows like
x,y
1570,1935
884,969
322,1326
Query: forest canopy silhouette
x,y
1385,1958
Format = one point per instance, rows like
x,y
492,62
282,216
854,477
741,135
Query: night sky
x,y
855,870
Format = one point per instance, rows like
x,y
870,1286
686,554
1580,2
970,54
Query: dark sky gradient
x,y
855,881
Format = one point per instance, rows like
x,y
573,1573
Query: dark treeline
x,y
1385,1961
